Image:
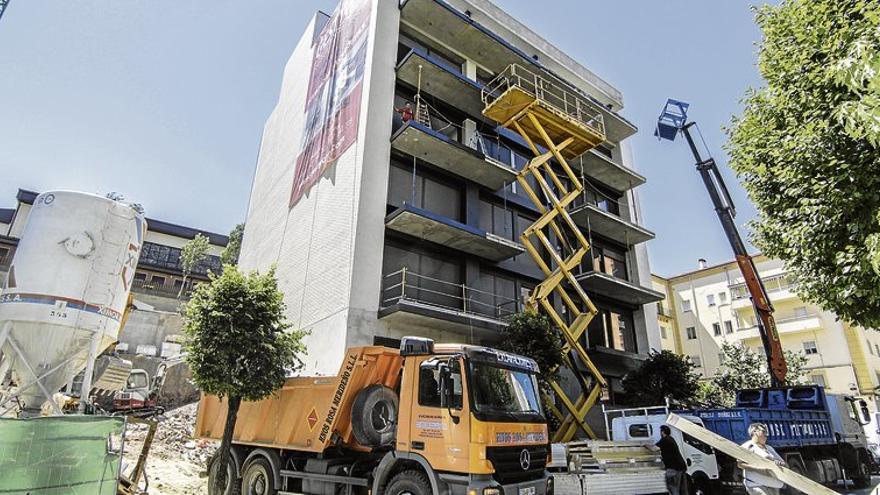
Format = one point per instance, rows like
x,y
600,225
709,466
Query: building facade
x,y
711,305
155,322
414,227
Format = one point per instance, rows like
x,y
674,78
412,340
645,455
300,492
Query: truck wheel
x,y
232,487
862,479
374,416
411,482
258,478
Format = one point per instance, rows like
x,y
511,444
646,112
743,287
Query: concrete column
x,y
469,133
469,69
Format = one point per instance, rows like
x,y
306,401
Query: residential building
x,y
409,221
711,305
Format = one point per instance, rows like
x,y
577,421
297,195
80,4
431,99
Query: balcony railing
x,y
544,90
161,290
781,321
776,283
407,285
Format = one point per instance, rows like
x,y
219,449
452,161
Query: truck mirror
x,y
864,412
447,390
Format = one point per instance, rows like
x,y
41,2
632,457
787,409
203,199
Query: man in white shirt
x,y
759,480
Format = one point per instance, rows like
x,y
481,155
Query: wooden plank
x,y
783,474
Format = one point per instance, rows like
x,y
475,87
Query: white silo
x,y
67,288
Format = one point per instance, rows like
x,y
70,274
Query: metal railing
x,y
775,283
166,289
407,285
546,91
780,321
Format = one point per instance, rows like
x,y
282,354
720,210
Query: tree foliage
x,y
806,149
664,374
229,255
193,252
532,335
238,342
741,368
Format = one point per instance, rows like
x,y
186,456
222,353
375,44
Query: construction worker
x,y
406,112
676,469
760,480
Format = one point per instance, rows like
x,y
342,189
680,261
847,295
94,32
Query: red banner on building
x,y
333,99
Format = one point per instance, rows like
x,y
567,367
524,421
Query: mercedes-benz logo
x,y
525,460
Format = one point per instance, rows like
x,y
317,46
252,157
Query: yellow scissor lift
x,y
566,125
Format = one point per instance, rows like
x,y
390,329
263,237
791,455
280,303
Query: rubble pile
x,y
177,462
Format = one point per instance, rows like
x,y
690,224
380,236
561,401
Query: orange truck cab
x,y
423,420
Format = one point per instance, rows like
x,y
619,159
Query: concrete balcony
x,y
618,289
442,22
449,233
775,295
789,325
439,150
411,300
590,216
440,82
600,167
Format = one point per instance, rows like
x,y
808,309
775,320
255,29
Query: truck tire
x,y
258,478
410,482
862,477
374,416
232,485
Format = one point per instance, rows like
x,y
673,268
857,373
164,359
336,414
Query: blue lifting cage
x,y
672,119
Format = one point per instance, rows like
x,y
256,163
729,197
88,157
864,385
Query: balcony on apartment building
x,y
450,233
414,299
799,322
779,288
431,75
598,212
607,275
442,23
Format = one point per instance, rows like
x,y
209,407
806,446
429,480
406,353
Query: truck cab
x,y
643,424
422,420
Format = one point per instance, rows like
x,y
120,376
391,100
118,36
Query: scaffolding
x,y
559,124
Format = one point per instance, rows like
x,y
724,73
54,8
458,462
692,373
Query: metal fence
x,y
546,91
407,285
167,289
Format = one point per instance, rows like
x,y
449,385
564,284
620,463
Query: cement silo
x,y
67,288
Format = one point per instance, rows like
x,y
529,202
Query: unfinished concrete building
x,y
388,201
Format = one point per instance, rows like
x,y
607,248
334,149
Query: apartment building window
x,y
140,277
728,326
609,260
877,348
685,304
810,347
406,43
722,298
710,299
662,332
818,380
160,281
800,312
613,328
870,347
428,192
430,277
495,295
602,198
697,361
691,333
716,329
739,292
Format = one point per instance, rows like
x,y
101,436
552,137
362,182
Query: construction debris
x,y
176,465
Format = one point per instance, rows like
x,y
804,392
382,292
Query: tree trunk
x,y
225,444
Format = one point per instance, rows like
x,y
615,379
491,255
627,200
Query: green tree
x,y
806,145
230,253
193,252
532,335
238,344
741,368
664,374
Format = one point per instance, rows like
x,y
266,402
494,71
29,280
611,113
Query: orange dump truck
x,y
423,420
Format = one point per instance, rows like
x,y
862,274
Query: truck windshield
x,y
504,392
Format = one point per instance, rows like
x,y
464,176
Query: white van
x,y
643,424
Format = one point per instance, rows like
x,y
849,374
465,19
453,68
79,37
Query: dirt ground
x,y
176,463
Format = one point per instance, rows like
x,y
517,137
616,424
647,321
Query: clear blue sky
x,y
164,101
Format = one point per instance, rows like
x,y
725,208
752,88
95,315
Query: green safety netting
x,y
66,455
